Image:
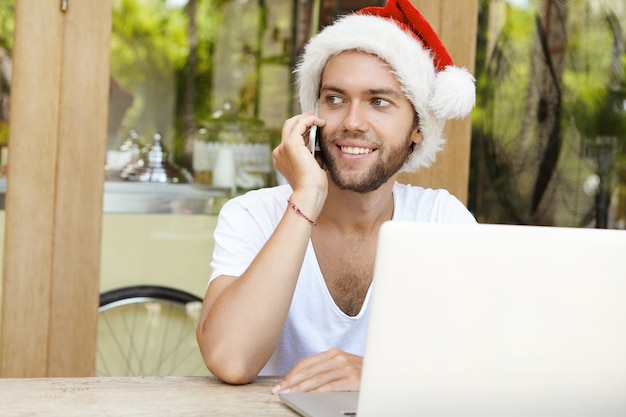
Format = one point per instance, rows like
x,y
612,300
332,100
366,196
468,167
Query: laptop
x,y
490,320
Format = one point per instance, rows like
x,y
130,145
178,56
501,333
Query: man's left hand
x,y
333,370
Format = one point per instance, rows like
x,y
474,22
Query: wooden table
x,y
138,396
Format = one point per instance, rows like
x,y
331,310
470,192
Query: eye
x,y
380,102
334,100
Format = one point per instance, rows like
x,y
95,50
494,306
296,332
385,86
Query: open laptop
x,y
490,320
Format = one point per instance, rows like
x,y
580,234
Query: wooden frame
x,y
58,127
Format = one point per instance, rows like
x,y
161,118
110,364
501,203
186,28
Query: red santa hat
x,y
402,37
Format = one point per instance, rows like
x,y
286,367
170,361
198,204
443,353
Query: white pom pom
x,y
454,93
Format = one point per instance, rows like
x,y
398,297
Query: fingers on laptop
x,y
333,370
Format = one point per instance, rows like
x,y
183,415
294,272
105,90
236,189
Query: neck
x,y
358,212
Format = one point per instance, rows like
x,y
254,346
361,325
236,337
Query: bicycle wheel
x,y
148,330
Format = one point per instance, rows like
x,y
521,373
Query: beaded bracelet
x,y
297,210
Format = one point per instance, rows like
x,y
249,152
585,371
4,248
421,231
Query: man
x,y
293,264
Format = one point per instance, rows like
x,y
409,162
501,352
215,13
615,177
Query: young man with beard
x,y
293,264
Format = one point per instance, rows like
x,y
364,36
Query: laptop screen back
x,y
493,320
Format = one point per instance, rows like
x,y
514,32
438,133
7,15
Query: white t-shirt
x,y
314,323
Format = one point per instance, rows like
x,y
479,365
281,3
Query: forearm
x,y
243,317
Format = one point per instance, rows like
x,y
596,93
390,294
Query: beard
x,y
388,163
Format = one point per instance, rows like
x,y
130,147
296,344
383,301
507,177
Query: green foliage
x,y
506,122
208,25
600,112
150,51
4,134
146,33
7,24
501,70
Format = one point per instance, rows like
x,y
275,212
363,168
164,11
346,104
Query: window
x,y
549,130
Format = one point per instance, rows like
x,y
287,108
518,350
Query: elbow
x,y
231,373
230,368
225,363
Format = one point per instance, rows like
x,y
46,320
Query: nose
x,y
355,120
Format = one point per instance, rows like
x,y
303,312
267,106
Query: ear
x,y
416,136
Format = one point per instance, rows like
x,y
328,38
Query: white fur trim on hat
x,y
436,96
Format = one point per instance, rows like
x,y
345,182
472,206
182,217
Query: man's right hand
x,y
293,159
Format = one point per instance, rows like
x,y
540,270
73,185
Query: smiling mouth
x,y
355,151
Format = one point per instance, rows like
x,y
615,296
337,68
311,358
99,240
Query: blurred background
x,y
199,90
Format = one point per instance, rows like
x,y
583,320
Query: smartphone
x,y
313,134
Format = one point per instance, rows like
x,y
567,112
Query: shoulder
x,y
264,197
264,203
415,203
245,222
412,193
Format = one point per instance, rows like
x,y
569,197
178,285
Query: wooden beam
x,y
80,187
34,125
58,124
456,22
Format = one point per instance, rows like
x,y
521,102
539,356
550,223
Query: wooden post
x,y
58,127
456,23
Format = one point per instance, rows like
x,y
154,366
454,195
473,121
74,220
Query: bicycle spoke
x,y
141,334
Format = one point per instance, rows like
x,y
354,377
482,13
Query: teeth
x,y
355,151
